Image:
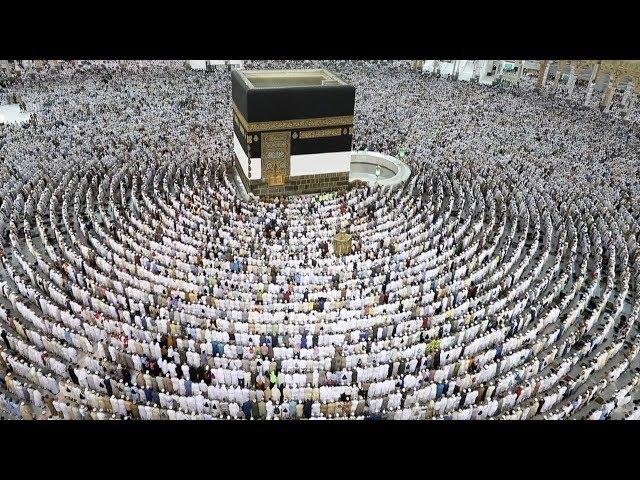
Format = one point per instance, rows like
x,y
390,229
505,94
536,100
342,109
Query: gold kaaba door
x,y
276,157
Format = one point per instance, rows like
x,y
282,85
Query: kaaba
x,y
293,130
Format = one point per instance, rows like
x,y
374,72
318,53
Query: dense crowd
x,y
500,281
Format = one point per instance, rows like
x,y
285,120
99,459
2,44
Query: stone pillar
x,y
605,94
573,76
546,74
609,91
626,97
608,99
542,74
587,99
632,101
592,83
556,80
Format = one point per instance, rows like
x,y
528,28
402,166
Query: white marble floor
x,y
393,171
13,114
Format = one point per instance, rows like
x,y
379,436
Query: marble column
x,y
592,83
520,73
545,73
607,98
573,76
587,100
630,105
626,97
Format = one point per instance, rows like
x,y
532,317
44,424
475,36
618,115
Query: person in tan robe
x,y
25,411
167,383
155,413
140,380
48,401
135,413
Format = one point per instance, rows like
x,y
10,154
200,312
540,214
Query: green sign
x,y
401,152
